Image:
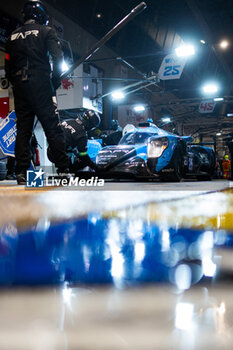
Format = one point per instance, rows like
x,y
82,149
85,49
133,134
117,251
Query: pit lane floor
x,y
133,266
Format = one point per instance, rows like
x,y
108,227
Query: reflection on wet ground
x,y
127,275
212,210
116,251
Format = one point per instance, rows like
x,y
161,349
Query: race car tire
x,y
3,171
178,168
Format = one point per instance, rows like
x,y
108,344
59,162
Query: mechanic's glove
x,y
82,161
56,81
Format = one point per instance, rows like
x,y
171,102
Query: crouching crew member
x,y
75,131
28,69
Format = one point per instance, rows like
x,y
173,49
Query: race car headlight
x,y
156,147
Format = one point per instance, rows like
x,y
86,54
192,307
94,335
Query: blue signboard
x,y
8,134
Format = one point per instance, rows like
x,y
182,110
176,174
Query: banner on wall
x,y
77,93
127,115
8,134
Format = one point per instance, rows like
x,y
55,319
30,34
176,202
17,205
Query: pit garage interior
x,y
133,264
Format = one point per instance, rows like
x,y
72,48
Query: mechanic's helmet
x,y
114,124
35,9
91,120
226,157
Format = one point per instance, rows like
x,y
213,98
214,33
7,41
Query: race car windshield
x,y
134,138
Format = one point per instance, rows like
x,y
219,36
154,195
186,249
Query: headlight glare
x,y
156,147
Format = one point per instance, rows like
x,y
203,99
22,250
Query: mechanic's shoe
x,y
21,179
11,177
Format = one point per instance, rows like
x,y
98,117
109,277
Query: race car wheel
x,y
178,171
178,168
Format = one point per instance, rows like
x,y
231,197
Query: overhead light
x,y
64,66
210,88
218,134
229,114
98,15
185,50
218,99
224,44
166,119
202,42
117,95
139,108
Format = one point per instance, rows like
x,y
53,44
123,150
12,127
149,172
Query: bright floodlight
x,y
139,108
218,99
117,95
166,119
185,50
218,134
64,66
210,88
224,44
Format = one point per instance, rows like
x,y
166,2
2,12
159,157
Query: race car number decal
x,y
171,70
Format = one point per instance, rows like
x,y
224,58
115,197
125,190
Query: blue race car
x,y
150,152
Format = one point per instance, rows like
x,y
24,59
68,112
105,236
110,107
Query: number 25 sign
x,y
171,67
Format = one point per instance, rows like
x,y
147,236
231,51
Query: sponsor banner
x,y
8,133
171,67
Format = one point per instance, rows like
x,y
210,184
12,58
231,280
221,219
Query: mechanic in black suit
x,y
76,137
28,68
